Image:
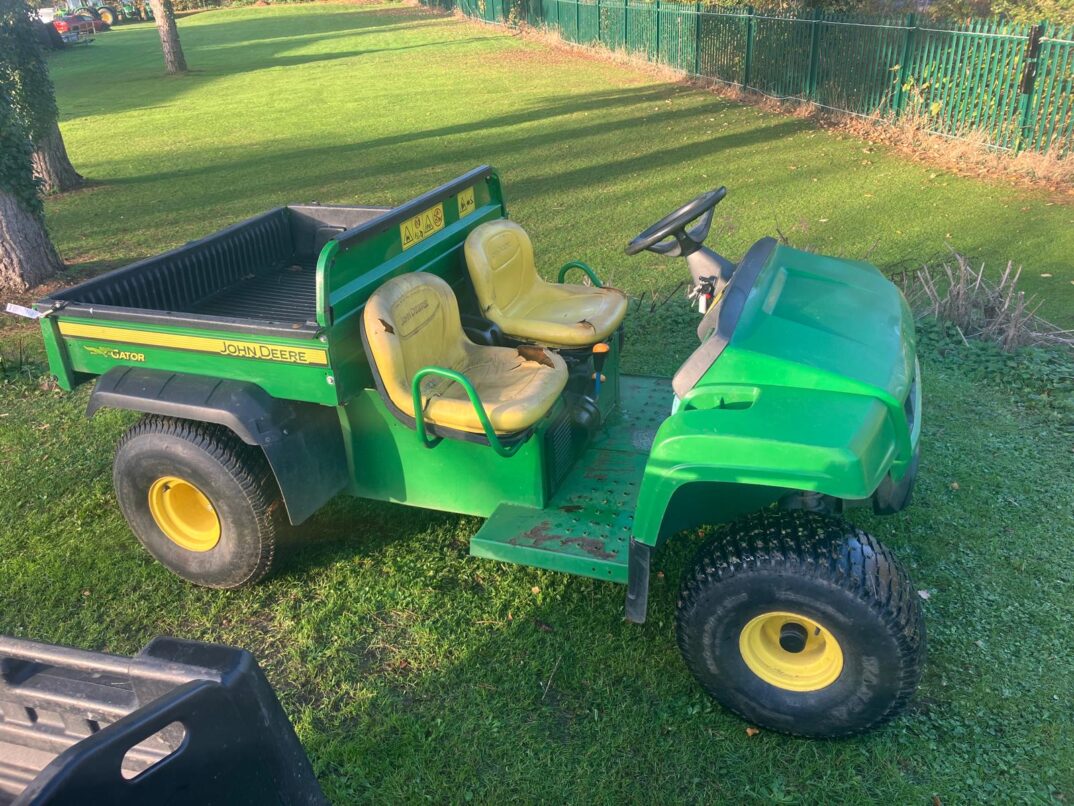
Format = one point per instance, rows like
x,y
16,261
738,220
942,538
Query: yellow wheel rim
x,y
791,651
184,514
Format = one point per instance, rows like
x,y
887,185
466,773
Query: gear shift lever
x,y
600,353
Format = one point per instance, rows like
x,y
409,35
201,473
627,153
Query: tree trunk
x,y
52,166
27,256
174,60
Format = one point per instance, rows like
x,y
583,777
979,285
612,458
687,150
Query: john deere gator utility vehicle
x,y
416,355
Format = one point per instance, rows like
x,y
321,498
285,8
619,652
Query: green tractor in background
x,y
115,13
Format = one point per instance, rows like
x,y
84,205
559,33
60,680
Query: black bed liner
x,y
286,294
259,274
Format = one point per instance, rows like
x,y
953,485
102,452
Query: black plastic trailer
x,y
182,722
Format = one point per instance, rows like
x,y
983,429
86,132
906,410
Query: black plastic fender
x,y
891,496
303,442
637,597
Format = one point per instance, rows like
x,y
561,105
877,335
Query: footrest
x,y
584,530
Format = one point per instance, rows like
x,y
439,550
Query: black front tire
x,y
838,579
234,477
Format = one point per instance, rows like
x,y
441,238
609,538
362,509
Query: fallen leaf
x,y
535,589
531,352
936,801
954,485
1046,274
542,626
752,731
387,328
924,595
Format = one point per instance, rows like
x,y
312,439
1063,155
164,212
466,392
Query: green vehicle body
x,y
812,401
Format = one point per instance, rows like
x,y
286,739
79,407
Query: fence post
x,y
814,54
578,21
747,72
697,39
904,62
1028,85
626,26
657,37
599,37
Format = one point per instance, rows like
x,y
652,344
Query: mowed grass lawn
x,y
413,672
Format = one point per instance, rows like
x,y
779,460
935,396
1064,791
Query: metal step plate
x,y
584,530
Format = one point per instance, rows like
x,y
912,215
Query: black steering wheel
x,y
686,242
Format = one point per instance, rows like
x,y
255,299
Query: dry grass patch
x,y
995,311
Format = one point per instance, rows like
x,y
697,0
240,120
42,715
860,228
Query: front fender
x,y
737,449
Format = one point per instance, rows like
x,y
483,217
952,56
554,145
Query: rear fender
x,y
303,442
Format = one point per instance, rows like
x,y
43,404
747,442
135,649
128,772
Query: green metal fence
x,y
1012,83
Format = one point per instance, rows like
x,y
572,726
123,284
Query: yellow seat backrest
x,y
412,321
499,255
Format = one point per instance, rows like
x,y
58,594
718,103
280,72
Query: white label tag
x,y
18,310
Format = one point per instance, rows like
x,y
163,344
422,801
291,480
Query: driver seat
x,y
499,255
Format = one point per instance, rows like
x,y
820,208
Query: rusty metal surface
x,y
586,527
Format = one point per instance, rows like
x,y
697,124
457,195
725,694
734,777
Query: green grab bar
x,y
577,264
464,382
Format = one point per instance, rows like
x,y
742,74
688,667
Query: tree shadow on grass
x,y
432,151
218,50
248,33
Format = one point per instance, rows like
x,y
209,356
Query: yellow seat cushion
x,y
499,255
412,322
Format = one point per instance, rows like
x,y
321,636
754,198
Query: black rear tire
x,y
108,15
234,477
803,577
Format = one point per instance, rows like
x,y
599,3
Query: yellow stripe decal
x,y
201,344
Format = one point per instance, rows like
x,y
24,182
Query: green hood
x,y
821,323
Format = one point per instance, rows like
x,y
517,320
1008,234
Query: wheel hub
x,y
793,637
791,651
184,514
